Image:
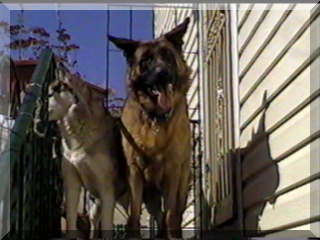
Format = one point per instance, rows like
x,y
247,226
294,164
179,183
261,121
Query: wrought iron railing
x,y
35,171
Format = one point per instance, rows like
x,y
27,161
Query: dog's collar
x,y
159,118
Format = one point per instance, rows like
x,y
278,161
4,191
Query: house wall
x,y
278,86
279,100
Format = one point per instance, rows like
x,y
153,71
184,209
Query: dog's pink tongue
x,y
164,102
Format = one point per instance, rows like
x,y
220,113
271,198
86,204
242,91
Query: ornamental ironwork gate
x,y
217,62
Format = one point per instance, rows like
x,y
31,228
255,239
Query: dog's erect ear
x,y
126,45
175,36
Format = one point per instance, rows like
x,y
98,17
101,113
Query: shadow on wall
x,y
260,180
260,175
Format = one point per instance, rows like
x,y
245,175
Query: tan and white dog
x,y
92,154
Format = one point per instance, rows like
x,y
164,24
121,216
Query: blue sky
x,y
88,29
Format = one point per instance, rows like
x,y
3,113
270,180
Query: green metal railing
x,y
36,186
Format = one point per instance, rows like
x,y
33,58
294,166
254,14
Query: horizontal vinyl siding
x,y
293,59
265,28
287,31
301,89
244,11
294,131
298,233
300,160
293,206
250,23
191,55
287,136
190,47
276,64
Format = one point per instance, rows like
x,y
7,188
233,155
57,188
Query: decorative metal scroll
x,y
215,22
220,120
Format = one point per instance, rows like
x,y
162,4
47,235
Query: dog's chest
x,y
93,170
151,140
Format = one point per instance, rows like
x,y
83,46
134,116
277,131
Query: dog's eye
x,y
146,62
53,91
56,88
166,53
60,88
148,89
64,87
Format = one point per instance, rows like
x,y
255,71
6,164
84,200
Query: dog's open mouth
x,y
164,102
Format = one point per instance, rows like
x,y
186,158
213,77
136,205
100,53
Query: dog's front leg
x,y
170,201
136,190
152,199
107,210
95,218
183,191
72,189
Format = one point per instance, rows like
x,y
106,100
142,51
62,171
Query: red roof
x,y
25,62
25,68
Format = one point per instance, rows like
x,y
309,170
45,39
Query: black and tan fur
x,y
155,115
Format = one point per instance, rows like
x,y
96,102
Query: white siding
x,y
275,64
264,30
277,105
250,23
288,207
287,31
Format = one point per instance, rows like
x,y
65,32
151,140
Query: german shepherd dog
x,y
155,117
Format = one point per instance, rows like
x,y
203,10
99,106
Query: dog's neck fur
x,y
80,131
71,135
150,134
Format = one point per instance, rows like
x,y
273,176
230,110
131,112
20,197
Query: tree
x,y
29,43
